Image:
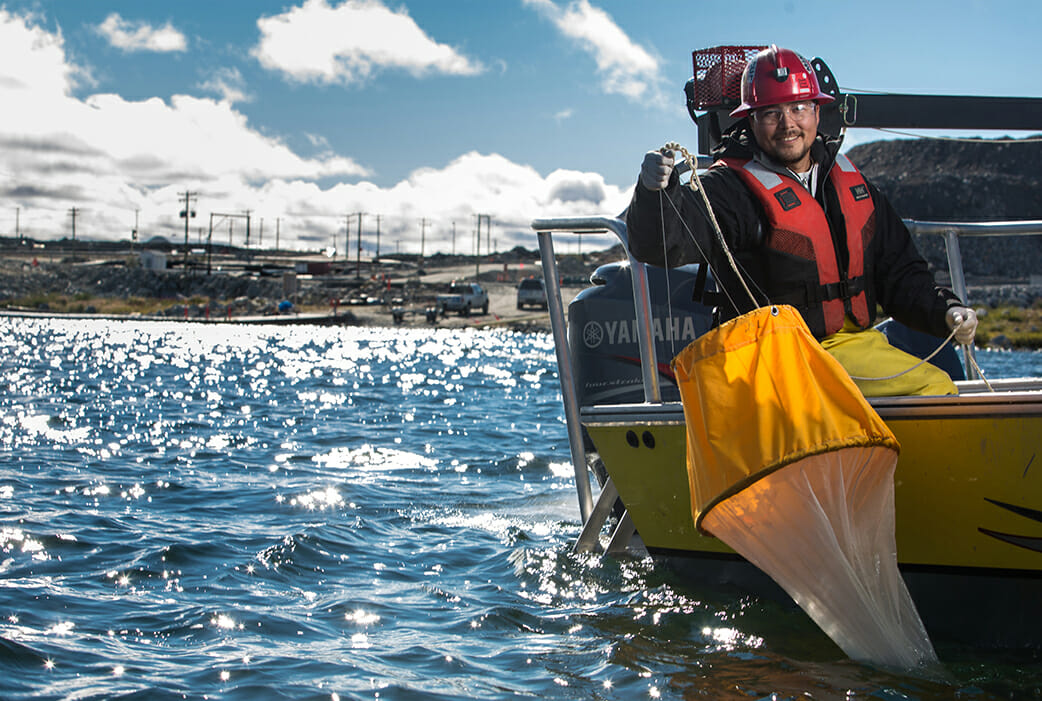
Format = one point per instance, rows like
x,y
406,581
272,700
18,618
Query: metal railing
x,y
545,228
952,232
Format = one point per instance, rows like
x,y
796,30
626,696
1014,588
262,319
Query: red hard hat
x,y
774,76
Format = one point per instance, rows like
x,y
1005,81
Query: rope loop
x,y
695,183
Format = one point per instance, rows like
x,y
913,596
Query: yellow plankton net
x,y
791,467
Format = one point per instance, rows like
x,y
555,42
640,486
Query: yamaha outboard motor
x,y
602,331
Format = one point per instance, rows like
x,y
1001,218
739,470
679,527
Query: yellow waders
x,y
868,354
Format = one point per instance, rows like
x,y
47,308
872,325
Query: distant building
x,y
153,260
312,267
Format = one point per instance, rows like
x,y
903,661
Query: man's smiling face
x,y
786,132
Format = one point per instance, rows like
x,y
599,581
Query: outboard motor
x,y
602,331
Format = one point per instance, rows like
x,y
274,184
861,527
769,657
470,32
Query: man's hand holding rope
x,y
963,321
656,169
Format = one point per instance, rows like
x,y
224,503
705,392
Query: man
x,y
805,228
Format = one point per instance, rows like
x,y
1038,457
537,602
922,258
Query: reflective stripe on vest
x,y
799,228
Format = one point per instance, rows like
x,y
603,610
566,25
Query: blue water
x,y
197,511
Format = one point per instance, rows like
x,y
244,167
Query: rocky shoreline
x,y
85,289
245,294
358,301
253,294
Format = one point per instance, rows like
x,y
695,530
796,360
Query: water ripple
x,y
251,512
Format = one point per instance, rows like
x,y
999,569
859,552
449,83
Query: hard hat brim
x,y
745,108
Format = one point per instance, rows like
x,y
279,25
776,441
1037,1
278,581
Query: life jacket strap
x,y
843,289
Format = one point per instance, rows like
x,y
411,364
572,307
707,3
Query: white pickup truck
x,y
464,298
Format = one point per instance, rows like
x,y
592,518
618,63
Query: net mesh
x,y
718,75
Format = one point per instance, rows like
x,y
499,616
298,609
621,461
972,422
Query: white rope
x,y
966,351
973,362
669,288
693,163
694,240
908,370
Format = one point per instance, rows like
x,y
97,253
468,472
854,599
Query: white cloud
x,y
228,83
141,36
345,44
104,152
108,156
32,58
512,194
625,67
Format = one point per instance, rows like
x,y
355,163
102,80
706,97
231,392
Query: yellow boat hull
x,y
968,493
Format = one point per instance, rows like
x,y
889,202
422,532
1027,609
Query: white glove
x,y
655,170
964,321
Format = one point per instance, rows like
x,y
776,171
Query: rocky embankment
x,y
959,181
247,295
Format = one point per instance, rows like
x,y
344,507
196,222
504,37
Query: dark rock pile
x,y
968,181
960,181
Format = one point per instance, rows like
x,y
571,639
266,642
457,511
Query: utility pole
x,y
453,238
358,255
423,236
488,237
133,232
209,247
74,211
187,213
17,231
260,235
347,236
376,258
247,213
277,219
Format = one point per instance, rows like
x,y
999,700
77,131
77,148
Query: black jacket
x,y
900,281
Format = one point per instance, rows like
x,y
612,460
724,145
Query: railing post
x,y
958,276
564,371
645,331
558,326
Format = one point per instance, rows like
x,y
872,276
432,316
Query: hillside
x,y
942,180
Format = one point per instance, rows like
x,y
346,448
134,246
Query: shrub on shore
x,y
1013,327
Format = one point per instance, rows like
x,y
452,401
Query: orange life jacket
x,y
802,261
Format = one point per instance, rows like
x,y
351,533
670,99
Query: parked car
x,y
531,291
463,297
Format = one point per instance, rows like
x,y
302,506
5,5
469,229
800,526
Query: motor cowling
x,y
602,332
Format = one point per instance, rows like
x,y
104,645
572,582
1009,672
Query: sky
x,y
407,120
